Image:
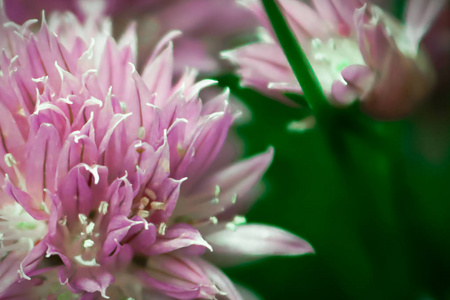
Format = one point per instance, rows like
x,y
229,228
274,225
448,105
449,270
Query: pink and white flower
x,y
356,50
107,176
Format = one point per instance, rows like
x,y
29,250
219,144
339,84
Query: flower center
x,y
18,230
329,58
85,237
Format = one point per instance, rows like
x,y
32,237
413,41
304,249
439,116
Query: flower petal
x,y
178,277
249,242
420,16
176,237
41,167
218,192
221,280
31,206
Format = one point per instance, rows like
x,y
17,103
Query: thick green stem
x,y
299,63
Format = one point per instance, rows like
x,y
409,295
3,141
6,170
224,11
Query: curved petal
x,y
220,191
176,237
221,280
420,16
249,242
178,277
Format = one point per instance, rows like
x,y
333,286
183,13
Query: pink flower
x,y
107,172
356,50
201,21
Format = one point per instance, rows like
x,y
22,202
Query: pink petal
x,y
31,206
176,237
260,65
141,235
41,165
177,277
249,242
119,229
116,63
91,280
76,192
359,80
167,194
8,270
343,93
304,21
76,149
420,16
207,143
28,267
374,42
157,74
399,89
120,194
227,185
221,280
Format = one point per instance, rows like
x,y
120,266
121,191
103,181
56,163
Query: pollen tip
x,y
10,160
143,213
82,218
103,207
162,228
217,190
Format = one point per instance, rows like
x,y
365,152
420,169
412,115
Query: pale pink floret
x,y
113,168
356,50
208,26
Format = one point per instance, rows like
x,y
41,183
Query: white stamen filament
x,y
151,194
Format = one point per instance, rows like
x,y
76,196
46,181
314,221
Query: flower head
x,y
356,50
107,172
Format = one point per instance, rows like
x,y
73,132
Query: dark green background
x,y
377,214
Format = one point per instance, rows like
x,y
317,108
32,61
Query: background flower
x,y
208,26
356,50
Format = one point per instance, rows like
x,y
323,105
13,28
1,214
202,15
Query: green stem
x,y
299,63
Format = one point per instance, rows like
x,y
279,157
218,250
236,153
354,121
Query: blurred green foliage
x,y
379,220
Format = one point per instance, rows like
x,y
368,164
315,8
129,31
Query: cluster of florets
x,y
358,52
109,186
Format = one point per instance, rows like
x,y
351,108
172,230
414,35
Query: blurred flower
x,y
107,186
208,26
356,50
437,43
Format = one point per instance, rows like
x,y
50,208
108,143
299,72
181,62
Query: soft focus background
x,y
379,221
377,211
